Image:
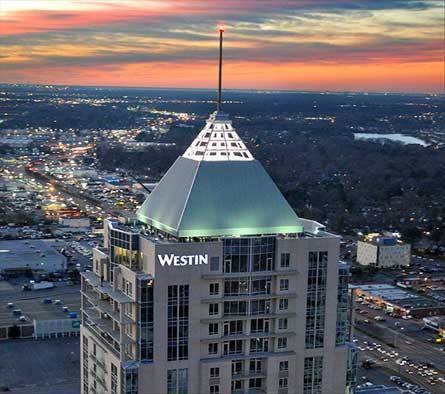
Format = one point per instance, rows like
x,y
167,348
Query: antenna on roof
x,y
221,31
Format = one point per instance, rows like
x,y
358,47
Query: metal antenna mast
x,y
221,31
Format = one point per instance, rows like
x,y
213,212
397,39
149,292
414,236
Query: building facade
x,y
219,287
383,252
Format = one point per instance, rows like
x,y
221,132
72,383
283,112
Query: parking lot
x,y
40,366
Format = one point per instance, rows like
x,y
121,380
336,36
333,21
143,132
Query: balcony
x,y
224,338
99,362
245,317
105,288
250,374
250,391
104,306
245,297
99,379
103,330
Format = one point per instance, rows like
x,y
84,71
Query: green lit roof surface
x,y
222,197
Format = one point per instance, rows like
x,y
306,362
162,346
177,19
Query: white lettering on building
x,y
171,259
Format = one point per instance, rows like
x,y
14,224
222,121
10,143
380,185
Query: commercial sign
x,y
172,259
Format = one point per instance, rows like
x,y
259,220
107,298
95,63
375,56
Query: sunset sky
x,y
359,45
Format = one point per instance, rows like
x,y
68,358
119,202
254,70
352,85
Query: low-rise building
x,y
383,252
398,301
436,323
75,222
42,316
35,255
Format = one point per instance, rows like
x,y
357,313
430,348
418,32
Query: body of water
x,y
404,139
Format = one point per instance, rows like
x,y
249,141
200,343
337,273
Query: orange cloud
x,y
388,77
389,45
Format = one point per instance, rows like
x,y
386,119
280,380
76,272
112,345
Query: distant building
x,y
84,172
383,252
399,301
381,389
36,255
75,222
436,323
33,318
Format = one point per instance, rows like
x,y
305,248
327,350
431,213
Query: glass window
x,y
259,307
256,365
260,285
236,287
214,372
130,381
178,322
283,304
237,367
234,308
316,299
285,260
259,325
233,347
177,381
145,316
282,324
233,327
283,383
284,284
313,371
343,320
249,254
284,365
213,328
214,288
214,389
259,345
213,309
255,383
237,385
213,348
282,342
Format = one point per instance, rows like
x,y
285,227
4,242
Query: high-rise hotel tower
x,y
219,287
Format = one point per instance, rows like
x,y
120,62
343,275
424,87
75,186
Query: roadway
x,y
389,342
406,335
388,363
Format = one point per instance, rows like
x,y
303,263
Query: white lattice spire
x,y
218,141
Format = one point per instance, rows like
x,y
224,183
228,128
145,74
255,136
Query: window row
x,y
236,327
236,346
244,308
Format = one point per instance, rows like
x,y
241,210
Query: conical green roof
x,y
218,189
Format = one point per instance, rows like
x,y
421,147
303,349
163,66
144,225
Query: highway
x,y
400,347
407,336
391,362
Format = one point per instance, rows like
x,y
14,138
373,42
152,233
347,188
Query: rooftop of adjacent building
x,y
381,389
439,320
33,308
397,295
29,250
384,239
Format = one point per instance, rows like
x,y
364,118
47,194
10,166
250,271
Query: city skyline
x,y
389,45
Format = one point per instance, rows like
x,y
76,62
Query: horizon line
x,y
248,90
